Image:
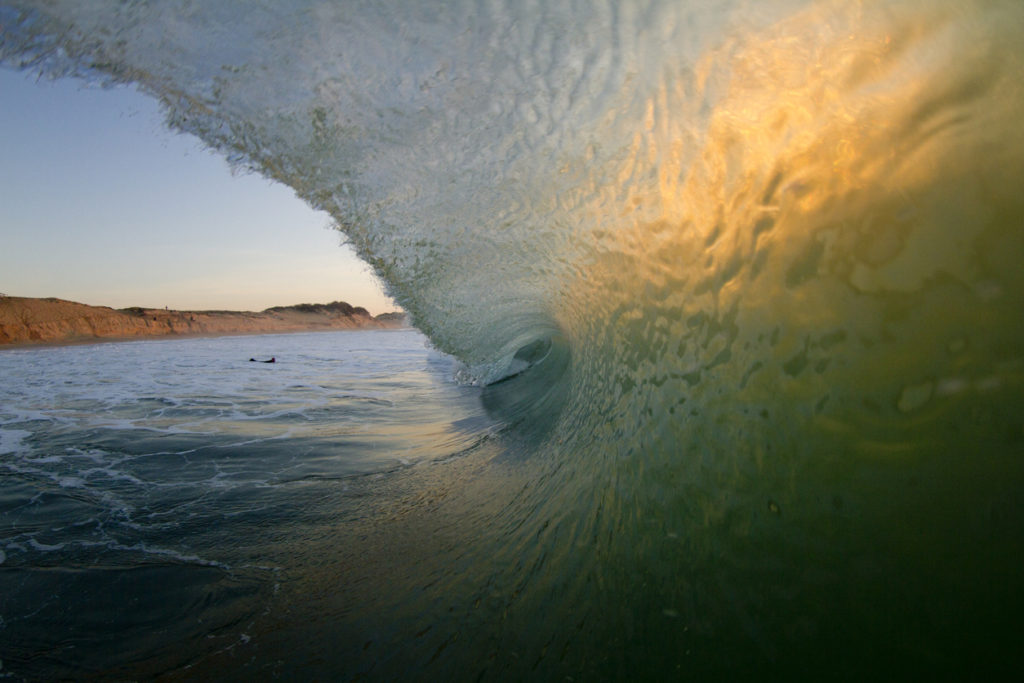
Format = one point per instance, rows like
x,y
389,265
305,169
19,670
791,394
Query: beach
x,y
26,321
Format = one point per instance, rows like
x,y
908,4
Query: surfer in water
x,y
273,359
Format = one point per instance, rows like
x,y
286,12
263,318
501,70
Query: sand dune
x,y
38,321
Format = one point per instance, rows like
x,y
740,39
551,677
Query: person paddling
x,y
273,359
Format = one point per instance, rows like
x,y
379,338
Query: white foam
x,y
170,554
45,547
11,441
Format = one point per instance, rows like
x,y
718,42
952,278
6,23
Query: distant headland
x,y
27,321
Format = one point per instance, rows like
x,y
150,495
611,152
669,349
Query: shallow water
x,y
740,283
152,491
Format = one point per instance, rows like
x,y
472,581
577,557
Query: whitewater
x,y
737,287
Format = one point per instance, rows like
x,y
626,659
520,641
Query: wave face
x,y
761,266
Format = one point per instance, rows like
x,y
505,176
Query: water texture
x,y
153,492
750,273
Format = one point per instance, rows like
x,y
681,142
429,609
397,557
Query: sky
x,y
100,203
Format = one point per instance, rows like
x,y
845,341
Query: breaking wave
x,y
751,273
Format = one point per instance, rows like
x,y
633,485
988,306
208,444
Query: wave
x,y
753,272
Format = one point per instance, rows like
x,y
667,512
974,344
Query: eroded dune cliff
x,y
26,320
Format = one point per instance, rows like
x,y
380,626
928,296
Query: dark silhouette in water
x,y
273,359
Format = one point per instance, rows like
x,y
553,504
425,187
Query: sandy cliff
x,y
26,321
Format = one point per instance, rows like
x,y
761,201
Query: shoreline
x,y
87,341
30,323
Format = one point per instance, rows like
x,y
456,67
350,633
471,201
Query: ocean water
x,y
159,493
735,294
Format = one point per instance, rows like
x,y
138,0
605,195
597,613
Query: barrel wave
x,y
743,280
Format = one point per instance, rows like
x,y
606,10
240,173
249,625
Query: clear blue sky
x,y
100,203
